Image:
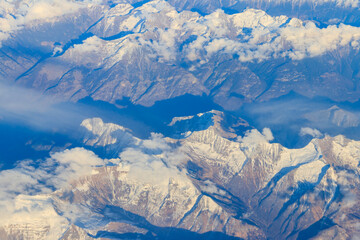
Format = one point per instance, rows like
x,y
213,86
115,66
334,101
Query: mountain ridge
x,y
206,171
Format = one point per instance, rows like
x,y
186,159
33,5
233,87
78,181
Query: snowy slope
x,y
204,183
150,52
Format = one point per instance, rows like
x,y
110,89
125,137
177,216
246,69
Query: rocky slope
x,y
150,52
213,176
203,185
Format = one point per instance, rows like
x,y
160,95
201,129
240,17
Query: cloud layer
x,y
31,108
24,188
163,33
26,191
15,15
252,35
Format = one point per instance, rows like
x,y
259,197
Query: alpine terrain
x,y
168,119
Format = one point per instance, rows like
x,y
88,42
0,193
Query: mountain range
x,y
207,119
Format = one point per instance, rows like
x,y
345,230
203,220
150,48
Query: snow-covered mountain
x,y
150,52
203,185
150,159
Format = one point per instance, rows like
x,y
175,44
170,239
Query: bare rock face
x,y
150,52
213,176
201,185
114,198
289,193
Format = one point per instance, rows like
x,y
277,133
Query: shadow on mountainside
x,y
117,214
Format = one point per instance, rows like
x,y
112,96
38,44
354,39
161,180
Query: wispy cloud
x,y
32,108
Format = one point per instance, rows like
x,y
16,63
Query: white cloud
x,y
346,182
268,134
153,161
254,137
310,131
72,164
272,37
133,155
153,171
156,142
28,191
50,9
17,14
253,35
35,214
311,41
24,190
210,187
